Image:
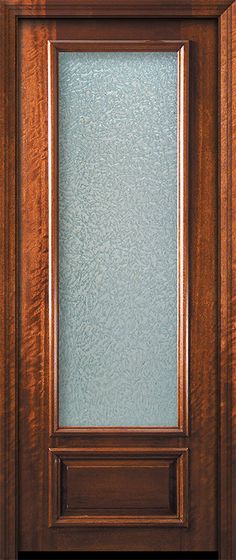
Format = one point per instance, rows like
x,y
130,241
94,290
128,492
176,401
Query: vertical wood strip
x,y
183,238
8,287
227,176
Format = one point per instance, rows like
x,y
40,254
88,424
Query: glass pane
x,y
117,239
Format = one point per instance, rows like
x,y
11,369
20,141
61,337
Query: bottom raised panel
x,y
118,487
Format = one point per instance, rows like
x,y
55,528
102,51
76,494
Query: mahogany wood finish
x,y
182,48
23,391
118,487
227,287
34,297
120,8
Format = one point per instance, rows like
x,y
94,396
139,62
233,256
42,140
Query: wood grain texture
x,y
182,49
33,256
111,539
227,116
123,487
34,531
121,8
8,289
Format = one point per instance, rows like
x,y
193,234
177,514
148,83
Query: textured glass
x,y
117,239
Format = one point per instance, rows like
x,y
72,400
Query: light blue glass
x,y
117,239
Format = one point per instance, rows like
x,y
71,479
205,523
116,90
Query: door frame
x,y
11,11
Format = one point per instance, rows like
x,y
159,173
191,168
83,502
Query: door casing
x,y
11,12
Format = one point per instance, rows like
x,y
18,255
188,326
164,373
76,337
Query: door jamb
x,y
10,13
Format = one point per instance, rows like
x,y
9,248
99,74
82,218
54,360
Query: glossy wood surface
x,y
34,274
119,8
227,270
8,293
119,487
10,12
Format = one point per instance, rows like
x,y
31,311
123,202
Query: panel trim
x,y
8,290
120,8
56,457
182,48
227,286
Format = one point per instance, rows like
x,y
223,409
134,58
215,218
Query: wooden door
x,y
134,487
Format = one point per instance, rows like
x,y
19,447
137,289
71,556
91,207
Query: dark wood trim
x,y
57,455
8,290
119,46
227,248
120,8
9,14
182,48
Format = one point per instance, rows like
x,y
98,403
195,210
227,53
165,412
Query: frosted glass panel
x,y
117,239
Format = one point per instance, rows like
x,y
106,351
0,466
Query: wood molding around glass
x,y
181,49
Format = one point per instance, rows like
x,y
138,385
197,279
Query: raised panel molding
x,y
118,487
